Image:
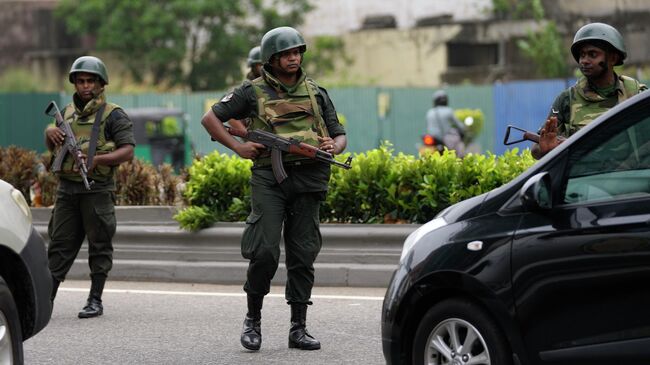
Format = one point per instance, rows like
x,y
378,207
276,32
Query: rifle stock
x,y
278,144
70,145
526,136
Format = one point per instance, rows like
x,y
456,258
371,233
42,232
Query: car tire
x,y
434,345
11,344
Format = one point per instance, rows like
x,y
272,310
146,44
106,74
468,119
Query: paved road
x,y
171,323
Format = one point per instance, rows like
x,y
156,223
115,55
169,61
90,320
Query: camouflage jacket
x,y
81,122
580,104
303,111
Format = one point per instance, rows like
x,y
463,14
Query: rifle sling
x,y
318,119
94,135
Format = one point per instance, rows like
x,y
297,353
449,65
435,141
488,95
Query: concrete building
x,y
417,43
429,43
338,17
32,38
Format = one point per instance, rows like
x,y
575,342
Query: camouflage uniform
x,y
305,112
580,104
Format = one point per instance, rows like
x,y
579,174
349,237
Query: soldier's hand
x,y
327,144
249,150
96,159
548,138
75,165
55,135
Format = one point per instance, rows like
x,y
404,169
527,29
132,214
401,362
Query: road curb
x,y
149,246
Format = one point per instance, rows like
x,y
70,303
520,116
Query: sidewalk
x,y
149,246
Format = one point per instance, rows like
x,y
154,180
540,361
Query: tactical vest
x,y
587,105
82,129
292,113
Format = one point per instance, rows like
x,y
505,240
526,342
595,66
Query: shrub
x,y
381,187
477,121
139,183
136,184
219,184
47,182
18,168
194,218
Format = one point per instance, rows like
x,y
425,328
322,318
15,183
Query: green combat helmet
x,y
91,65
281,39
599,32
254,56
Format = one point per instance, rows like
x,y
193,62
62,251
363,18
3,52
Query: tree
x,y
545,47
200,44
546,50
322,55
18,80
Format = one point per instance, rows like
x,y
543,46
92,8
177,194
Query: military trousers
x,y
275,213
75,217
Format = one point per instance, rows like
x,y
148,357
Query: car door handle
x,y
475,246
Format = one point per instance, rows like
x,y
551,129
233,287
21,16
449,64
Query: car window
x,y
613,162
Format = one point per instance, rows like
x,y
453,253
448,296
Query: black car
x,y
551,268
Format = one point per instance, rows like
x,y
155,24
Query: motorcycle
x,y
430,144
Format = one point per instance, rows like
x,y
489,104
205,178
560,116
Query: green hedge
x,y
381,186
137,181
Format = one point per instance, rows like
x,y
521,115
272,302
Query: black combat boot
x,y
298,336
251,335
94,306
55,288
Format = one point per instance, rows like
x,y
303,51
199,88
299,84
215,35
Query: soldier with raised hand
x,y
105,134
285,102
597,48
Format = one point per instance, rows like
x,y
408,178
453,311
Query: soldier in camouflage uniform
x,y
255,63
597,48
283,101
79,212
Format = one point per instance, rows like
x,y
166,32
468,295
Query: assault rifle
x,y
70,145
278,145
526,136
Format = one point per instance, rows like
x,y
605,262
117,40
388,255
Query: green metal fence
x,y
23,119
371,115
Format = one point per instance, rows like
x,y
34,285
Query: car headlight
x,y
18,197
414,237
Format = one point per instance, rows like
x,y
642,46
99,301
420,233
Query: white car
x,y
25,280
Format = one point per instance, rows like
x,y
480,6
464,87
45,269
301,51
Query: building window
x,y
472,54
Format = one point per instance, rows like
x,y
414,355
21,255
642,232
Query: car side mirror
x,y
536,195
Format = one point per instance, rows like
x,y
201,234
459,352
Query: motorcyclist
x,y
444,126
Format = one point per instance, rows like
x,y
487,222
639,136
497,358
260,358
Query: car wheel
x,y
11,344
458,332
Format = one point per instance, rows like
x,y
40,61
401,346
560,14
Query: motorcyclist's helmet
x,y
440,98
599,33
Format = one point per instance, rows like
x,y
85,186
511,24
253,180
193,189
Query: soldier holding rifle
x,y
597,48
287,103
85,198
